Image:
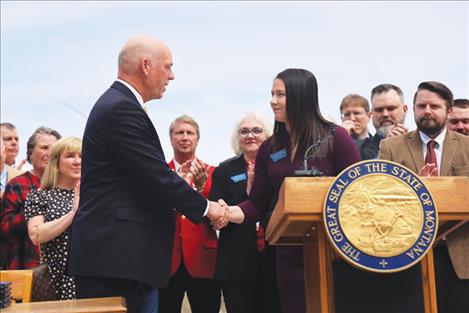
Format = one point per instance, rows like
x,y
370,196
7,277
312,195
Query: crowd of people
x,y
111,217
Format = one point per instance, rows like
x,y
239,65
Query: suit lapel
x,y
414,144
449,150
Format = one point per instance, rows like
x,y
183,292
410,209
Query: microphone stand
x,y
313,171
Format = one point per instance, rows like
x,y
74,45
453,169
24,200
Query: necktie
x,y
431,155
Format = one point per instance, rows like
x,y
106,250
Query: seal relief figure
x,y
380,216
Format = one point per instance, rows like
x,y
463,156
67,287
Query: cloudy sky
x,y
57,57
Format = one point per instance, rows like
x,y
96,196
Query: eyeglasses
x,y
348,115
256,131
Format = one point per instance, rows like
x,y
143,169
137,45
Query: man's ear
x,y
145,66
405,108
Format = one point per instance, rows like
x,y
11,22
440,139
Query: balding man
x,y
122,234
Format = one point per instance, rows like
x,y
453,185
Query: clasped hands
x,y
194,171
219,214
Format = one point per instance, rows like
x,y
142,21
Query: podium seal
x,y
380,216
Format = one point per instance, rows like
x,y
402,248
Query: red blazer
x,y
196,243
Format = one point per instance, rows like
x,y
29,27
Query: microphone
x,y
313,171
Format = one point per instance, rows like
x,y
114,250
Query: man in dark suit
x,y
122,234
388,112
433,150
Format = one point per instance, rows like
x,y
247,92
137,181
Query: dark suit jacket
x,y
407,150
369,147
237,259
124,226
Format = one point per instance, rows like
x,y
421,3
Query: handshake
x,y
219,214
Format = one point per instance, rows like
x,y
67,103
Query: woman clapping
x,y
50,210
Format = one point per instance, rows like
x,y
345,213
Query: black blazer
x,y
237,258
124,226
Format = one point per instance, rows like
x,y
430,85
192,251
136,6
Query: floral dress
x,y
53,204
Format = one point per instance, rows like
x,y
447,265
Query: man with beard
x,y
388,112
432,150
458,117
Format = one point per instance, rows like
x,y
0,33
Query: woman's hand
x,y
76,198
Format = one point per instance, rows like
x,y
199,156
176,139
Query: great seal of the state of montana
x,y
380,216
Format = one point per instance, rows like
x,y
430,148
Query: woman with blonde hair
x,y
50,210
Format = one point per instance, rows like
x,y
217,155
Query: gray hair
x,y
259,117
382,88
7,125
32,141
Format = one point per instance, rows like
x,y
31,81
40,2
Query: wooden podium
x,y
298,220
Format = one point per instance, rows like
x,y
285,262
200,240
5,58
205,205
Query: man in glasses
x,y
355,114
195,246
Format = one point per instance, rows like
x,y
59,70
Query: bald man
x,y
122,234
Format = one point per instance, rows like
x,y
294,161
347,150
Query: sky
x,y
58,57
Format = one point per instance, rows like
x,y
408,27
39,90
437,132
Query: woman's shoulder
x,y
341,132
38,195
265,147
231,163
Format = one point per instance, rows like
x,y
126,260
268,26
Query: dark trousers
x,y
203,294
97,287
269,295
241,297
452,292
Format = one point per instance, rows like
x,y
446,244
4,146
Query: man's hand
x,y
396,130
218,214
429,169
200,174
349,125
185,172
21,164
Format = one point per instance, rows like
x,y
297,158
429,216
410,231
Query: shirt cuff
x,y
206,209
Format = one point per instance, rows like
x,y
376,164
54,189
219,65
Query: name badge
x,y
278,155
239,177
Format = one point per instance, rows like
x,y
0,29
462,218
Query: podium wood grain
x,y
297,220
95,305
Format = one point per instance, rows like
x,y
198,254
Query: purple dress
x,y
271,169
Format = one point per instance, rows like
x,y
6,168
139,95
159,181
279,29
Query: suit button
x,y
183,217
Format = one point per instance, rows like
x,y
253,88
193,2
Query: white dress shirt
x,y
438,147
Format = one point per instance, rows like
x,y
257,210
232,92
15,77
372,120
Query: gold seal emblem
x,y
380,216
